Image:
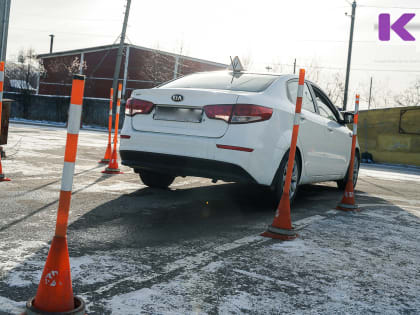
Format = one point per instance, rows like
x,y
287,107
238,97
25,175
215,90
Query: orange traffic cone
x,y
113,164
3,178
107,156
282,228
348,203
108,151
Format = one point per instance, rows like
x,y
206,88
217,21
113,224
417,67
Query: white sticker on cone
x,y
50,278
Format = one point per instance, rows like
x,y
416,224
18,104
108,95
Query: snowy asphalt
x,y
196,249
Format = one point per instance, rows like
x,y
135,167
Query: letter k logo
x,y
398,27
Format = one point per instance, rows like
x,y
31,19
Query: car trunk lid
x,y
180,111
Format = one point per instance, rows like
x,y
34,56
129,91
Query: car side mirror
x,y
348,117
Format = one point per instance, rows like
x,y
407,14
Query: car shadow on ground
x,y
149,217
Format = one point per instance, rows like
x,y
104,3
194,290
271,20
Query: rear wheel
x,y
343,182
281,179
156,180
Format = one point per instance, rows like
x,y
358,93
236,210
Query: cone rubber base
x,y
5,179
279,234
347,207
112,171
80,308
104,161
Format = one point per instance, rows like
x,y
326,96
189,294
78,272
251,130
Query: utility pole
x,y
370,92
120,51
294,67
346,88
268,68
51,42
4,27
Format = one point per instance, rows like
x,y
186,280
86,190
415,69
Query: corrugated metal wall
x,y
391,135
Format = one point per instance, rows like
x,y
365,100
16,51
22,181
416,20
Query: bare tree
x,y
335,87
277,66
247,61
23,73
313,72
180,47
411,96
158,67
66,69
63,69
181,51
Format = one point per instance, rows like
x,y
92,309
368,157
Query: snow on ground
x,y
387,172
11,307
12,254
97,268
337,266
37,122
52,124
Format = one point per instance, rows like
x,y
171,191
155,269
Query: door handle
x,y
330,129
351,134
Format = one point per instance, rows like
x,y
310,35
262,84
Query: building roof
x,y
115,46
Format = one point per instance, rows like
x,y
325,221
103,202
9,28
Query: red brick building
x,y
140,68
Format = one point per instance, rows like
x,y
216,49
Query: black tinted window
x,y
324,109
224,81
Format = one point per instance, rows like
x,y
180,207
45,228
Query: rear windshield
x,y
246,82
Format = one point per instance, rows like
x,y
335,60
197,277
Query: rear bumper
x,y
185,166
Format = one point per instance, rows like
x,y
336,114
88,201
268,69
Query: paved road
x,y
195,248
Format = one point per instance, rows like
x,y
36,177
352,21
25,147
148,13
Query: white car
x,y
235,127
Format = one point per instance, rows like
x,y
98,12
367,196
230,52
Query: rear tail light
x,y
135,106
238,113
222,112
245,113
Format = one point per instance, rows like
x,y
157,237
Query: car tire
x,y
156,180
341,184
281,177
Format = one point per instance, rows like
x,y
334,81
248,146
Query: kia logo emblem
x,y
177,98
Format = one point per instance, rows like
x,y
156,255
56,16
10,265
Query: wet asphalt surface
x,y
194,248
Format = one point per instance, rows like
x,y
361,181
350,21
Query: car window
x,y
247,82
324,109
307,101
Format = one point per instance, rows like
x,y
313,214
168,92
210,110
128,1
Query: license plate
x,y
193,115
